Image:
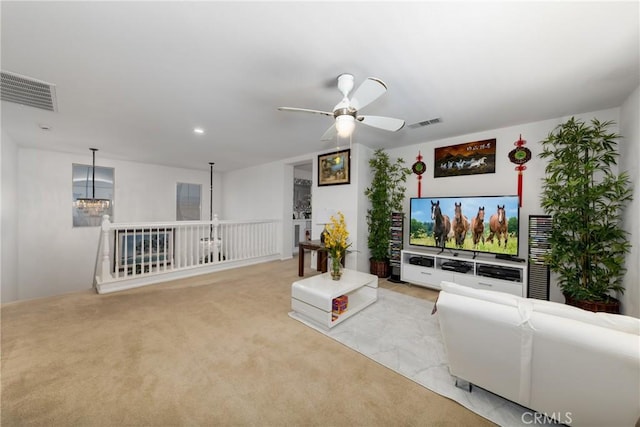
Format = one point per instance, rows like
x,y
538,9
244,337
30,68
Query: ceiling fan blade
x,y
305,110
386,123
330,134
370,90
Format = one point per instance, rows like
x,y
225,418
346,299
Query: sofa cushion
x,y
628,324
481,294
618,322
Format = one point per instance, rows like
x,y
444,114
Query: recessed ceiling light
x,y
198,130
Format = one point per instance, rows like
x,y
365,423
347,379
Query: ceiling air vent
x,y
27,91
425,123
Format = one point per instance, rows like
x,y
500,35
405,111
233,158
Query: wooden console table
x,y
314,245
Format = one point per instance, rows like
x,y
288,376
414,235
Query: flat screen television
x,y
482,224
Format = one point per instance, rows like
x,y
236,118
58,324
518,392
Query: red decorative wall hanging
x,y
519,156
419,168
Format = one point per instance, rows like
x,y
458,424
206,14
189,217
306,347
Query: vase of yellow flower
x,y
335,240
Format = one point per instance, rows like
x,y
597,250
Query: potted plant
x,y
386,195
585,198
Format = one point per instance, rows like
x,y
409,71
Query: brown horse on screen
x,y
498,226
442,225
477,227
460,225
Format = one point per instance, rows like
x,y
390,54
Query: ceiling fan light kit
x,y
345,112
345,125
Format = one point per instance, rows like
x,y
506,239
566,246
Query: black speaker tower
x,y
539,274
395,245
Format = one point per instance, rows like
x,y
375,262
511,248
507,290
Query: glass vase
x,y
336,269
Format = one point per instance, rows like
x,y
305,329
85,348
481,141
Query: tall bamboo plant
x,y
585,198
386,195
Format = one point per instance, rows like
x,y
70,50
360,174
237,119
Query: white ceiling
x,y
134,78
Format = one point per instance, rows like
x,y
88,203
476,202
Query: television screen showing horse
x,y
478,223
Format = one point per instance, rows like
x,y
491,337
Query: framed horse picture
x,y
334,168
472,158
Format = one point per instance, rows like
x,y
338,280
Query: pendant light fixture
x,y
211,199
92,206
206,243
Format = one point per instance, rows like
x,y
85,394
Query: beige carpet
x,y
218,349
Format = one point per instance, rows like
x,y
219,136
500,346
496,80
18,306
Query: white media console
x,y
428,269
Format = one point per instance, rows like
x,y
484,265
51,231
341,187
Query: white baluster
x,y
125,264
105,266
134,252
216,248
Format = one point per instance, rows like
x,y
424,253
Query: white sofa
x,y
578,367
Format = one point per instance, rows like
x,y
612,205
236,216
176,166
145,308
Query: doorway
x,y
301,203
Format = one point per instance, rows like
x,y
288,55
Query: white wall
x,y
265,192
9,219
346,199
255,192
630,161
262,192
364,176
53,256
146,192
504,180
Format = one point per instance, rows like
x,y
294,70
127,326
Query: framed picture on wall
x,y
334,168
472,158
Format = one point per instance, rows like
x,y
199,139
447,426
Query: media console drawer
x,y
479,282
473,275
428,276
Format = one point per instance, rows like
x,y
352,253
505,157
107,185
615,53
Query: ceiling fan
x,y
346,111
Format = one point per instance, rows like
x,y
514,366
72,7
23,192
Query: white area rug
x,y
399,332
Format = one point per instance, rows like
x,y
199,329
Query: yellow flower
x,y
335,238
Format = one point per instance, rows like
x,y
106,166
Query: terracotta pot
x,y
379,268
611,306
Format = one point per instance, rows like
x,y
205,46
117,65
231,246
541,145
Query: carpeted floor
x,y
399,332
218,349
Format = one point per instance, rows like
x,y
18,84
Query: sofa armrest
x,y
588,373
483,342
